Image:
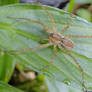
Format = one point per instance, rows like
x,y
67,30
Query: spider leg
x,y
69,54
51,18
76,63
65,28
44,40
34,21
28,49
78,36
55,54
83,84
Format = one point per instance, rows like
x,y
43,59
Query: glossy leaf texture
x,y
7,88
17,34
7,65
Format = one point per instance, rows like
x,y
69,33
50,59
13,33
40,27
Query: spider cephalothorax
x,y
55,38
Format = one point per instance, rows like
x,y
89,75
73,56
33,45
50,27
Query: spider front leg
x,y
41,40
65,28
77,36
82,71
34,21
49,14
28,49
55,54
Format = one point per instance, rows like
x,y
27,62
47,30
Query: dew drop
x,y
67,81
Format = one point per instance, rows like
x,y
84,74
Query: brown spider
x,y
56,39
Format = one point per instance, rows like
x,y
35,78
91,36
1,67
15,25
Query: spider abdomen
x,y
67,43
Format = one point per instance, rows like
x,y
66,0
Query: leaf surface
x,y
56,86
17,34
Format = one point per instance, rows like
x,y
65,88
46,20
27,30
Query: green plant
x,y
18,34
7,88
6,2
84,13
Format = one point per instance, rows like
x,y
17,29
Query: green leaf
x,y
7,65
84,13
83,1
7,88
56,86
17,34
4,2
71,5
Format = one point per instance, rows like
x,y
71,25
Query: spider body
x,y
58,39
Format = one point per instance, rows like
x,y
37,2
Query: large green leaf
x,y
7,88
7,65
18,34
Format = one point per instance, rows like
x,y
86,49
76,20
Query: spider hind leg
x,y
81,69
55,54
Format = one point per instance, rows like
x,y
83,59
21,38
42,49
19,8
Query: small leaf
x,y
71,5
84,13
83,1
7,88
7,65
4,2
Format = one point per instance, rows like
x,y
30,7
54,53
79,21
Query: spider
x,y
55,39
